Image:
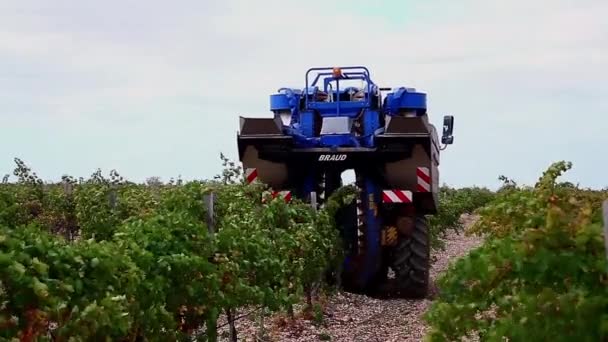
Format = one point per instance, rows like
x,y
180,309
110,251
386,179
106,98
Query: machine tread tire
x,y
411,262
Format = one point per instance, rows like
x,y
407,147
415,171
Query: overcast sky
x,y
155,88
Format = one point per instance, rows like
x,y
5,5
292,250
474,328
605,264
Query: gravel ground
x,y
352,317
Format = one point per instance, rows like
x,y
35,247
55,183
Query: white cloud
x,y
167,67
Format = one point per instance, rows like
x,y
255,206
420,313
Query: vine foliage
x,y
104,258
540,275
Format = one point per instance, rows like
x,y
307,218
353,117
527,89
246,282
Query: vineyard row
x,y
106,258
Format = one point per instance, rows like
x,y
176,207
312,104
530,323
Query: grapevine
x,y
99,258
107,258
540,275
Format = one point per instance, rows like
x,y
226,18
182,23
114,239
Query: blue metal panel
x,y
337,140
287,98
371,124
413,101
328,109
279,102
406,99
372,229
307,124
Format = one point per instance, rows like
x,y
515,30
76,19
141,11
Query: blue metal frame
x,y
406,99
303,107
372,233
305,111
334,108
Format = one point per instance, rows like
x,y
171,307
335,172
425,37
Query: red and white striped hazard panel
x,y
286,195
396,196
424,179
251,175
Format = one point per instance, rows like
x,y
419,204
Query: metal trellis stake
x,y
313,200
209,201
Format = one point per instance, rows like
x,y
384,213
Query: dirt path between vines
x,y
351,317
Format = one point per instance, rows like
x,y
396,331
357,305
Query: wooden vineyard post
x,y
113,196
230,317
209,201
68,190
605,210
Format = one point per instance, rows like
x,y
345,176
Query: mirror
x,y
448,128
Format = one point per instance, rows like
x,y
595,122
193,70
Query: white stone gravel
x,y
352,317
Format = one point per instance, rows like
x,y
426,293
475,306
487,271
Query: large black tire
x,y
410,260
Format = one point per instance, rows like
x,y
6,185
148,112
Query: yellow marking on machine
x,y
389,236
372,204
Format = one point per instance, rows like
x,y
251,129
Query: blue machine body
x,y
320,100
382,134
304,104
